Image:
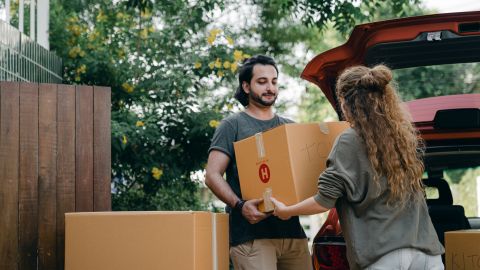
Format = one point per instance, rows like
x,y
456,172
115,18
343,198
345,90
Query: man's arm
x,y
216,167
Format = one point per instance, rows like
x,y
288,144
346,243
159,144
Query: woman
x,y
373,178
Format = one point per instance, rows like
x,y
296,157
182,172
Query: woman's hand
x,y
280,210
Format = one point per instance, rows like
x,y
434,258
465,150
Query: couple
x,y
373,179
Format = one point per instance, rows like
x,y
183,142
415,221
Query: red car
x,y
439,52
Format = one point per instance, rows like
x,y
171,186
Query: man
x,y
257,240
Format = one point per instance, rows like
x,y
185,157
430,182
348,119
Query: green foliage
x,y
422,82
156,60
164,61
309,109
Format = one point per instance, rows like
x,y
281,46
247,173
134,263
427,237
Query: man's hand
x,y
251,213
280,210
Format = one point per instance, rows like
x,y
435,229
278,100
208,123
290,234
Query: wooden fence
x,y
54,158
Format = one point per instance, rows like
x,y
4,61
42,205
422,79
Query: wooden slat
x,y
9,148
84,149
28,177
65,164
102,149
47,176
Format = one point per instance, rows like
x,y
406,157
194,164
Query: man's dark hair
x,y
245,74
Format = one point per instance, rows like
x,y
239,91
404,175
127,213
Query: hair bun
x,y
376,79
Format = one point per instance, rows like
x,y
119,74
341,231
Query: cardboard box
x,y
462,250
146,240
286,160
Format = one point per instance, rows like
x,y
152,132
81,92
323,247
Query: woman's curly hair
x,y
370,103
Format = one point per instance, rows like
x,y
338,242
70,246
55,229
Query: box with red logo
x,y
285,160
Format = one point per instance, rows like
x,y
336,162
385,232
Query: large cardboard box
x,y
462,250
287,160
146,240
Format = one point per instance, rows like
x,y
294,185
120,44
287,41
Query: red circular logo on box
x,y
264,173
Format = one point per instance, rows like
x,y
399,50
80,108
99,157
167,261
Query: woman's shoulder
x,y
348,138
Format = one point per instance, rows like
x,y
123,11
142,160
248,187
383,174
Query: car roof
x,y
400,43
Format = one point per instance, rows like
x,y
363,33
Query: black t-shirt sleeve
x,y
223,139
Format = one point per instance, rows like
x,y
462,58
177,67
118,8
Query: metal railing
x,y
22,59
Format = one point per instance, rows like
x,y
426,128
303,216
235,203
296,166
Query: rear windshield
x,y
440,80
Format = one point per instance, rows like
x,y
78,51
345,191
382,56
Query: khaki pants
x,y
272,254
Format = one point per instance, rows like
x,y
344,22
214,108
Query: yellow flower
x,y
226,64
93,35
120,15
211,65
75,30
77,78
220,73
197,65
237,55
81,69
214,123
144,33
72,19
71,41
72,53
139,124
124,139
157,173
127,87
75,51
101,16
151,29
218,63
233,67
230,40
121,53
246,56
211,39
146,13
214,32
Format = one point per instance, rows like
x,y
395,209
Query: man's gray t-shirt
x,y
235,128
370,227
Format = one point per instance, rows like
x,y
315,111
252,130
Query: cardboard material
x,y
462,250
288,159
146,240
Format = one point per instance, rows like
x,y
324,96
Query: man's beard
x,y
259,100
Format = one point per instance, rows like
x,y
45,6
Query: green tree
x,y
164,61
155,58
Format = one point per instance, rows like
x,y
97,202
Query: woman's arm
x,y
307,207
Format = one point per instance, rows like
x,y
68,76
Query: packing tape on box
x,y
214,242
324,128
260,147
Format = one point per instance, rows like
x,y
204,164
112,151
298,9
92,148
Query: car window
x,y
439,80
465,186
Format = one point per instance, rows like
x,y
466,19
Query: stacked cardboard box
x,y
286,160
146,240
462,250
